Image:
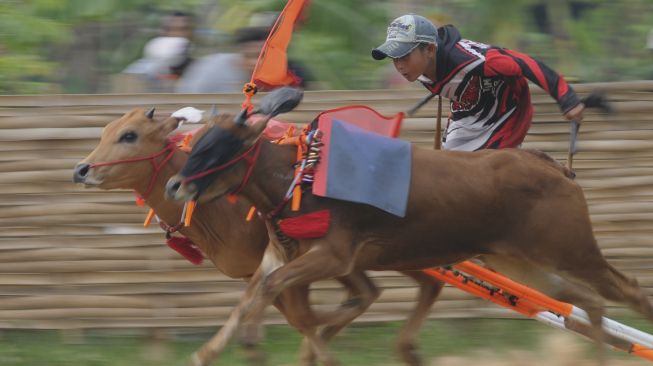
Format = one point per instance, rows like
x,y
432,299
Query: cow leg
x,y
362,293
317,264
584,265
251,334
557,287
593,306
429,289
212,349
615,286
249,337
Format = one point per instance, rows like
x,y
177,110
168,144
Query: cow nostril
x,y
173,187
81,171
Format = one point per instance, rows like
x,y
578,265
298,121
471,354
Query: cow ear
x,y
241,118
150,113
280,101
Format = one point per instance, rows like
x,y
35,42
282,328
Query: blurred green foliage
x,y
72,46
49,46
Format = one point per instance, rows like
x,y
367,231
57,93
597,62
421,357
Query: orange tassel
x,y
148,218
296,198
190,207
297,191
185,143
250,214
140,201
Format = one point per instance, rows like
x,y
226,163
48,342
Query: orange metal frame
x,y
511,295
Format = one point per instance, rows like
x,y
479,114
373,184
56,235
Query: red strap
x,y
245,155
170,148
250,168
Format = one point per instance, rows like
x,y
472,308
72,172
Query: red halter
x,y
251,161
170,148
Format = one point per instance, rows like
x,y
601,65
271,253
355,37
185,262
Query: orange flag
x,y
272,66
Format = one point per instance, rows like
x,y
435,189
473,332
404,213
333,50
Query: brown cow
x,y
134,143
510,204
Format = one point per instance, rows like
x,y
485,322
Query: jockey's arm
x,y
515,64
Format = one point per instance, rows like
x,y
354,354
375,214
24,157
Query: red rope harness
x,y
251,161
170,229
170,148
277,210
182,245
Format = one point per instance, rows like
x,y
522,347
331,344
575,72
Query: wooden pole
x,y
437,144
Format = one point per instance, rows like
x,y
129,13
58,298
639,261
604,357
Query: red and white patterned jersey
x,y
488,89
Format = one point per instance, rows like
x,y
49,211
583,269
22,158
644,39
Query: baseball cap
x,y
404,34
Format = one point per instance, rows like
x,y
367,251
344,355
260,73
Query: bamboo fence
x,y
75,258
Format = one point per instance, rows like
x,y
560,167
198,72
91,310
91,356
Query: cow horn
x,y
150,113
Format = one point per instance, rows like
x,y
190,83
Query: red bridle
x,y
170,149
251,161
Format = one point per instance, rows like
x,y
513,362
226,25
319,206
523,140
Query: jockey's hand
x,y
576,113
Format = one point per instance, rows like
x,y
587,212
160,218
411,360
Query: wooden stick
x,y
438,126
419,104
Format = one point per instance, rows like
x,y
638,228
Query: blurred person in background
x,y
487,85
167,56
215,73
228,72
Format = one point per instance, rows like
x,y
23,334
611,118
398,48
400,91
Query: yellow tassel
x,y
250,214
148,218
190,207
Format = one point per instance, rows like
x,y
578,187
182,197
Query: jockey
x,y
487,85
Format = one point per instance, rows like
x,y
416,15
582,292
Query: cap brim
x,y
393,49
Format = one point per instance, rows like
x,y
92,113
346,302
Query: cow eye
x,y
128,137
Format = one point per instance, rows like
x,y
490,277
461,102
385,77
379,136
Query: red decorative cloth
x,y
186,248
309,226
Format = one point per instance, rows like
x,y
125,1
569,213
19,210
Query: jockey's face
x,y
419,61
